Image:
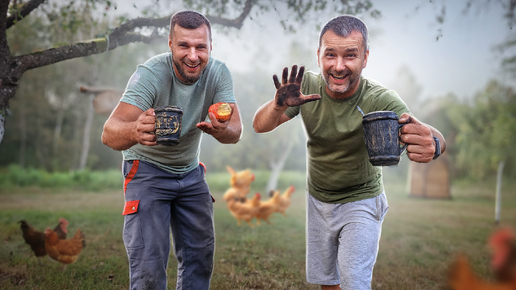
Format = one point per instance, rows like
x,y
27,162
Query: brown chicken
x,y
268,207
240,183
243,210
36,239
285,200
503,246
64,251
461,277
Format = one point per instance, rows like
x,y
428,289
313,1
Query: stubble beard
x,y
352,79
189,79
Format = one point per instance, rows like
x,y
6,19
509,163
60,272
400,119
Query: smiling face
x,y
341,60
190,52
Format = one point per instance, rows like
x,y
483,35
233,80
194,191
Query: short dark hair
x,y
344,25
189,20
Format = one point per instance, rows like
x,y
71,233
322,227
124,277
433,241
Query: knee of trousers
x,y
198,261
147,274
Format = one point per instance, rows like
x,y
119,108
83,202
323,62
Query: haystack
x,y
430,180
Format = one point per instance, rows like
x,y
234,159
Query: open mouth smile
x,y
339,78
191,66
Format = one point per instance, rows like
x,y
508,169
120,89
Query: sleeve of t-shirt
x,y
224,86
391,101
141,90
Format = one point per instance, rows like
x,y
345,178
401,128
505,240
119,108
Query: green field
x,y
419,240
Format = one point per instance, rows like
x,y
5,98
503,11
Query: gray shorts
x,y
342,241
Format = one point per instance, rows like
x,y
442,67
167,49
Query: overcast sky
x,y
462,61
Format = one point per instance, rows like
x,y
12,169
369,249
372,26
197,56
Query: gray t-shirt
x,y
155,84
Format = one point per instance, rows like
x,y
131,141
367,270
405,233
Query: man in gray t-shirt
x,y
164,186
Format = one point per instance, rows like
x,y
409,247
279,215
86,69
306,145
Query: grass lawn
x,y
420,238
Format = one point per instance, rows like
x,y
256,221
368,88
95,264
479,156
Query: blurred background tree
x,y
51,125
48,124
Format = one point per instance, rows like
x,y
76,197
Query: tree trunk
x,y
498,205
277,167
86,136
57,129
1,127
23,131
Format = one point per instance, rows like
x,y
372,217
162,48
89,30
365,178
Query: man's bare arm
x,y
269,116
129,125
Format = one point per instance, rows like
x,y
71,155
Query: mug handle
x,y
404,147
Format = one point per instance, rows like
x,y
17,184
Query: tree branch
x,y
237,22
79,49
120,36
21,13
13,68
5,52
138,23
165,21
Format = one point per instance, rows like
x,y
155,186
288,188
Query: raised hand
x,y
289,91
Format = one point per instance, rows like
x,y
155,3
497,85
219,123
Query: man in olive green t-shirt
x,y
346,202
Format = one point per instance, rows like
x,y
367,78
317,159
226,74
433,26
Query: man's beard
x,y
352,79
189,79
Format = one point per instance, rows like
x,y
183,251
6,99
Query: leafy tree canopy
x,y
69,15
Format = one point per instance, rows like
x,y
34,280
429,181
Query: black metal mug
x,y
168,124
381,137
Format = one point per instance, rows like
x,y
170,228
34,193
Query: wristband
x,y
437,152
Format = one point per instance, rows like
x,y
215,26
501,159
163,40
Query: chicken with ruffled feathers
x,y
64,251
36,239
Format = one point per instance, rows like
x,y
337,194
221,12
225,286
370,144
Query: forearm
x,y
118,134
230,135
268,117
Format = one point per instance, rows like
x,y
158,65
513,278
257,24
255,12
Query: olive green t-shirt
x,y
338,165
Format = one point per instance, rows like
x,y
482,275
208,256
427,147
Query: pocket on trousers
x,y
126,167
129,173
381,206
133,237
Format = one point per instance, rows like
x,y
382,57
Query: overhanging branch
x,y
237,22
24,11
165,21
120,36
4,46
80,49
138,23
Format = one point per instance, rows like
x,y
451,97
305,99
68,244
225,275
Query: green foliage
x,y
487,130
46,122
15,177
291,13
480,132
